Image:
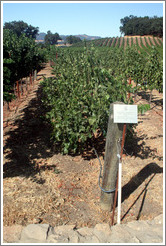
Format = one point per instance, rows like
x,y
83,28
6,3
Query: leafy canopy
x,y
78,97
133,25
51,38
21,55
20,27
72,39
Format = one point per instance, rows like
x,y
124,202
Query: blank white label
x,y
125,113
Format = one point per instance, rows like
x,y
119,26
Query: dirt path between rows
x,y
121,41
42,186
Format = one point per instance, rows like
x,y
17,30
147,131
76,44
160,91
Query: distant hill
x,y
84,36
41,36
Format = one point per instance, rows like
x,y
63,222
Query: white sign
x,y
125,113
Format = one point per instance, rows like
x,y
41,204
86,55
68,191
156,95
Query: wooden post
x,y
30,78
14,89
22,89
33,77
26,82
114,134
117,181
18,89
35,74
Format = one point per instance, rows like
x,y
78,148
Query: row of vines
x,y
21,56
144,44
86,81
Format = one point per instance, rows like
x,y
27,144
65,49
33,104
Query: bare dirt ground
x,y
105,42
156,39
139,42
143,41
108,41
112,42
42,186
116,42
134,40
121,40
152,41
130,42
148,41
125,43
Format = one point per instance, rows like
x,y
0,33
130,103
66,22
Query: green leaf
x,y
143,108
92,120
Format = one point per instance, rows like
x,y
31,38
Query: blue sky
x,y
71,18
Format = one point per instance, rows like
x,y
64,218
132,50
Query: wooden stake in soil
x,y
30,77
22,89
15,89
26,83
117,182
33,79
114,134
34,75
18,89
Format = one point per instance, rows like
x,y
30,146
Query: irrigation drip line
x,y
100,173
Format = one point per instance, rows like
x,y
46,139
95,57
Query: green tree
x,y
72,39
134,25
51,38
20,27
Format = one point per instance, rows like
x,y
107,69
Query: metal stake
x,y
116,191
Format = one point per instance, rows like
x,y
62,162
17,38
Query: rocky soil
x,y
132,232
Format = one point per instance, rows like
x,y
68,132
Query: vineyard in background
x,y
143,43
87,79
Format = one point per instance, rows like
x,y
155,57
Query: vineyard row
x,y
86,81
143,42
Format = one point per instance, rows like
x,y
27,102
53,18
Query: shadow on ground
x,y
139,178
149,170
28,142
146,95
141,150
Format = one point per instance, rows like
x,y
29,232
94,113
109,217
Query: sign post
x,y
123,114
120,115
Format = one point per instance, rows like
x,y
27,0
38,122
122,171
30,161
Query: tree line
x,y
20,28
133,25
52,38
21,55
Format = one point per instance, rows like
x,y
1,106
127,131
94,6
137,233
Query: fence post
x,y
26,82
18,89
114,134
22,89
118,183
35,75
14,88
30,78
